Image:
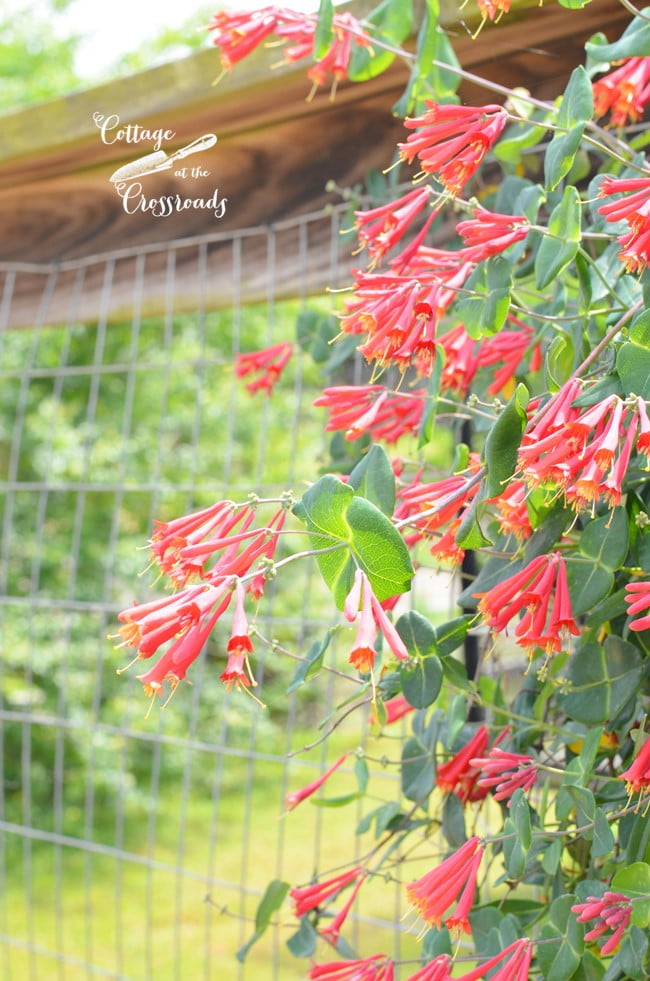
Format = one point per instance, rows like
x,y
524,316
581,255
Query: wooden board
x,y
274,156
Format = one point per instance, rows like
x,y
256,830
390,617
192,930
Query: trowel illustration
x,y
154,162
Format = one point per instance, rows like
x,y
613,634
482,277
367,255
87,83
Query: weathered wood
x,y
274,156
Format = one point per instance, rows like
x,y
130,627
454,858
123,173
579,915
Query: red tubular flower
x,y
493,9
638,598
506,772
377,967
372,409
298,796
540,589
489,233
381,228
333,931
513,513
309,897
346,31
236,35
612,912
454,880
439,969
237,671
269,362
396,708
634,209
459,775
514,962
363,654
637,776
624,93
451,141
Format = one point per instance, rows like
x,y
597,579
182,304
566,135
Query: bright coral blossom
x,y
453,881
634,208
624,92
459,774
452,141
637,776
268,363
505,772
611,912
637,596
372,618
439,969
377,967
513,963
309,897
298,796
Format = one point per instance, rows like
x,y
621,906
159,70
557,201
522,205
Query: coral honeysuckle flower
x,y
489,233
377,967
505,772
452,141
439,969
634,209
363,654
269,362
611,912
298,796
458,775
512,510
236,35
637,776
372,409
396,708
540,591
513,963
333,931
624,92
237,671
493,9
453,881
381,228
346,31
637,596
306,898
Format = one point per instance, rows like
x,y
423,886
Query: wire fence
x,y
134,847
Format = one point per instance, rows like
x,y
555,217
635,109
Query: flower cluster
x,y
459,775
488,233
377,967
505,772
637,596
451,141
453,881
634,209
540,591
611,912
372,619
464,356
237,35
624,93
637,776
585,452
269,363
360,409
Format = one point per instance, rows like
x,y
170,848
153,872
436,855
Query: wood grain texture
x,y
274,156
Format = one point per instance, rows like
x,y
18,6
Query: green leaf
x,y
588,585
633,367
635,41
314,332
552,855
514,853
312,664
634,882
485,313
560,359
574,4
585,806
373,478
502,442
333,513
393,21
520,816
271,901
417,633
418,778
605,540
303,942
577,104
560,155
470,534
429,76
453,821
560,957
631,957
324,29
517,139
556,252
449,636
603,840
421,683
603,678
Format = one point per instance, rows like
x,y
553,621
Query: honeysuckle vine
x,y
499,305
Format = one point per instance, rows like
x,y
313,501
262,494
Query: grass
x,y
142,923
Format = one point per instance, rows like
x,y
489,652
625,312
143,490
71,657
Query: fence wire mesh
x,y
138,848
